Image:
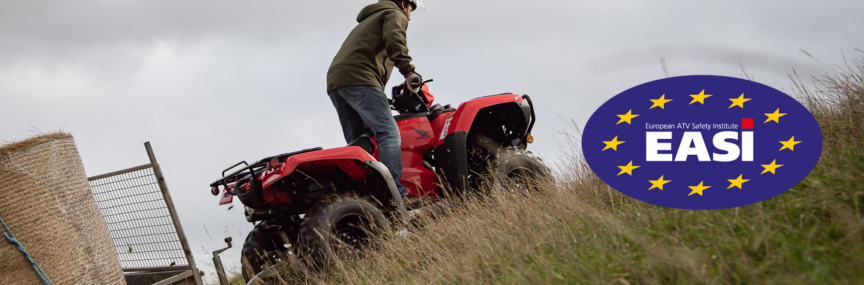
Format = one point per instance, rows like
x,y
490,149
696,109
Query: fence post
x,y
217,261
170,203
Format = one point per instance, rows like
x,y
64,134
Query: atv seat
x,y
364,142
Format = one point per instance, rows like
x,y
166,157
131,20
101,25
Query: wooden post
x,y
179,228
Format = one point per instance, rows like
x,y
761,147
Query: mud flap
x,y
378,166
451,157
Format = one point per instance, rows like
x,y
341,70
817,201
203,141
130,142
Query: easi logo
x,y
702,142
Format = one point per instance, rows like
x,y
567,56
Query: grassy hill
x,y
580,231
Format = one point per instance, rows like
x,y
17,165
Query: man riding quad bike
x,y
319,200
314,203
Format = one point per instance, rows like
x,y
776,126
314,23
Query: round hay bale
x,y
46,202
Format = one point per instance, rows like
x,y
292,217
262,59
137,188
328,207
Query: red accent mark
x,y
746,123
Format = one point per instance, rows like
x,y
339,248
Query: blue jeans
x,y
361,107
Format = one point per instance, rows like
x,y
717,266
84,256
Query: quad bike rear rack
x,y
250,169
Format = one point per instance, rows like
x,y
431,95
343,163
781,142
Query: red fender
x,y
462,119
353,160
345,158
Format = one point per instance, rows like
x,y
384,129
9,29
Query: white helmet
x,y
416,5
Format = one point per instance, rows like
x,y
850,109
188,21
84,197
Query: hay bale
x,y
45,200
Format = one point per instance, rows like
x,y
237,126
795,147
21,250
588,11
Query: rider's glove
x,y
414,81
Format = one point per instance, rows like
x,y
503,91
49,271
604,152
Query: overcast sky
x,y
210,83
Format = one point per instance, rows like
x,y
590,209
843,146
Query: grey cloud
x,y
736,58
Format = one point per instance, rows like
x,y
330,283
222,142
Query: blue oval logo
x,y
702,142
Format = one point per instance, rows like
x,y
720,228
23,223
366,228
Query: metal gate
x,y
144,226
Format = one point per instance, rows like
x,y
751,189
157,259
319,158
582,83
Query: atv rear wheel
x,y
266,244
519,166
339,226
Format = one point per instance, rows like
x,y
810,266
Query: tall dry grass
x,y
577,230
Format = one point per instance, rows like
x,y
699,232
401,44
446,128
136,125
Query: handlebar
x,y
404,100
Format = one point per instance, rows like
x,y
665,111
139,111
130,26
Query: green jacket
x,y
372,49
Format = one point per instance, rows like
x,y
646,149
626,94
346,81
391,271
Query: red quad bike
x,y
316,202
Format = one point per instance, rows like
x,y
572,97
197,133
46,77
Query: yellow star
x,y
628,168
659,102
613,144
698,189
789,144
739,102
737,182
658,183
699,97
774,116
771,167
626,117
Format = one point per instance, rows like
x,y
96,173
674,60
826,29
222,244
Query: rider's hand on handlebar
x,y
414,81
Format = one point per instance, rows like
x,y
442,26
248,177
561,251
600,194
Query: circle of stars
x,y
700,98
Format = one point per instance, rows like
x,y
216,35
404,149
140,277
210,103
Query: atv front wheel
x,y
339,226
266,244
518,166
